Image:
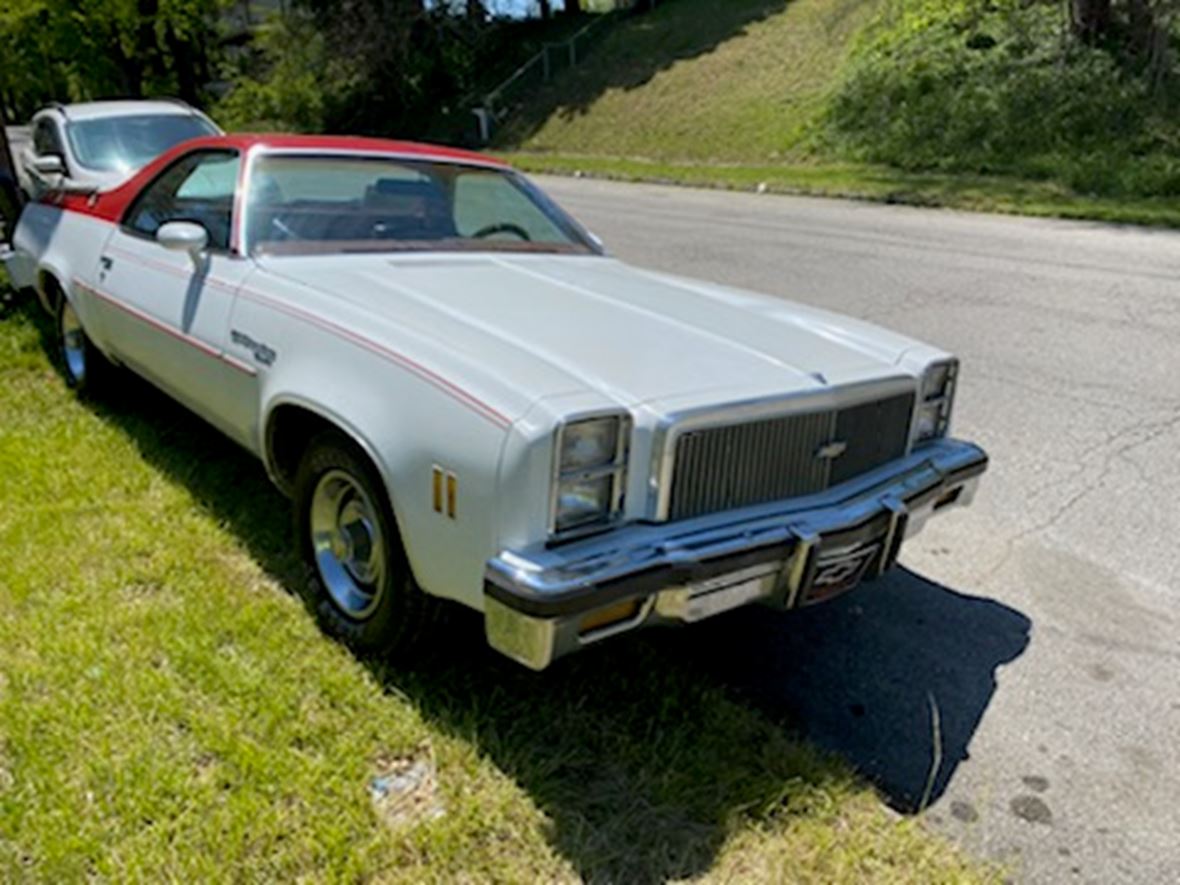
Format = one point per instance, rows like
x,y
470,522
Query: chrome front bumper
x,y
548,601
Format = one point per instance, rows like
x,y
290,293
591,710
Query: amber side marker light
x,y
948,499
609,616
452,494
438,489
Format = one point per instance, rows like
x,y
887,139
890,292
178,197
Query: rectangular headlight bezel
x,y
613,470
933,415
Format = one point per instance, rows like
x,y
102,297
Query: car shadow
x,y
895,677
644,752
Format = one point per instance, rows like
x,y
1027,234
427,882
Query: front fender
x,y
408,430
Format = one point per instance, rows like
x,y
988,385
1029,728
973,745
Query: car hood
x,y
554,325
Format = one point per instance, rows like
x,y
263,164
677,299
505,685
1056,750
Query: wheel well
x,y
288,432
49,290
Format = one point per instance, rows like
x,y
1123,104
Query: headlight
x,y
938,396
587,444
590,472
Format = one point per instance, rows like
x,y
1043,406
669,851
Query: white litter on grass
x,y
763,187
405,792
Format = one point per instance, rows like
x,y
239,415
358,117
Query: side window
x,y
199,188
488,201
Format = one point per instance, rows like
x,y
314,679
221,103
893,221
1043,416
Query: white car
x,y
468,400
97,145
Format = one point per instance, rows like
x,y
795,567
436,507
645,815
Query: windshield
x,y
125,144
302,205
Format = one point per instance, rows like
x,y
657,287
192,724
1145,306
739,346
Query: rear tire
x,y
86,369
358,581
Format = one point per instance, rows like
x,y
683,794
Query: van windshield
x,y
125,144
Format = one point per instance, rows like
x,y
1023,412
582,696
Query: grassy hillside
x,y
974,103
169,712
737,82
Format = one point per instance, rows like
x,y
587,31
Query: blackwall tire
x,y
86,369
357,580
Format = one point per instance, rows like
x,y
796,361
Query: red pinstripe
x,y
148,319
431,377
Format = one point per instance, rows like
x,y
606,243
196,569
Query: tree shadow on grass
x,y
633,51
647,752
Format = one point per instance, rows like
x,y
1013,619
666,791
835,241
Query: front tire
x,y
358,581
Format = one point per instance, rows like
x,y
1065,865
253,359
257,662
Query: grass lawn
x,y
980,193
169,711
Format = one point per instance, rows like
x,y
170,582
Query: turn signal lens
x,y
612,614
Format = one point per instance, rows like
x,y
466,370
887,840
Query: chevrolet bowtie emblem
x,y
831,451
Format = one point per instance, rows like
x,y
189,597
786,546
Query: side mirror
x,y
49,164
183,236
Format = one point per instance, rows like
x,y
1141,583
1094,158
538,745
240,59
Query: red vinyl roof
x,y
111,204
344,143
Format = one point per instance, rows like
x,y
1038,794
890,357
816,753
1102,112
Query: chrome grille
x,y
722,468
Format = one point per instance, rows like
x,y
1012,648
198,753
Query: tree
x,y
1091,19
71,50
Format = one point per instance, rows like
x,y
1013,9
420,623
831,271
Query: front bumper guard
x,y
538,601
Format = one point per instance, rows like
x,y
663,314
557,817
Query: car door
x,y
166,313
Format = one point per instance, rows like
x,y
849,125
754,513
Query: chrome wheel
x,y
73,344
347,542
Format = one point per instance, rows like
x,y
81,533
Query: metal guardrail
x,y
538,70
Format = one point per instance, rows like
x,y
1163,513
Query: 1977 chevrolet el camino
x,y
468,400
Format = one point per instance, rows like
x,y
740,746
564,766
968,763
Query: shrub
x,y
290,92
1000,87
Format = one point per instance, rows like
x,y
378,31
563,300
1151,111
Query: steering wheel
x,y
283,229
503,227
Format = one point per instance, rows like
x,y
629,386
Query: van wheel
x,y
358,581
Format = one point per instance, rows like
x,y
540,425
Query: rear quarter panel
x,y
55,243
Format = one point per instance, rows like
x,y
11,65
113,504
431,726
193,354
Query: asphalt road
x,y
1028,653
